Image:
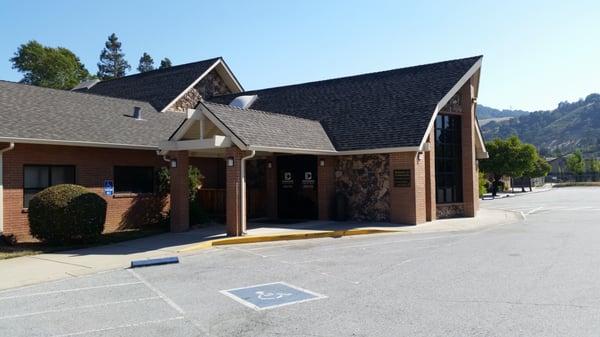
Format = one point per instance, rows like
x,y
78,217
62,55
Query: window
x,y
39,177
448,159
134,179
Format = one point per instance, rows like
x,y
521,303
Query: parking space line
x,y
80,307
157,292
70,290
132,325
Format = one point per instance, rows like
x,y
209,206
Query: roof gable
x,y
158,87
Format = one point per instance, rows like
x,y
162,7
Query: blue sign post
x,y
109,187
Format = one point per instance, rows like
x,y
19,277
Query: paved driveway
x,y
537,277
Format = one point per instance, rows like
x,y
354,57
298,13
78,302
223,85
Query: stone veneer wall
x,y
454,105
365,182
450,211
211,85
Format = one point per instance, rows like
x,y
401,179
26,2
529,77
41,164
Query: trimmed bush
x,y
66,214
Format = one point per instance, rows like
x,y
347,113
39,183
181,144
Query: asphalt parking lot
x,y
537,277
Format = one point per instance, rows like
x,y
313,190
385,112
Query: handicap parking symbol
x,y
271,295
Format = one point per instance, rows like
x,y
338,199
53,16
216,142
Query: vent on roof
x,y
243,102
137,113
86,84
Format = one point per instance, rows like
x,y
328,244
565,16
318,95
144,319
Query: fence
x,y
569,177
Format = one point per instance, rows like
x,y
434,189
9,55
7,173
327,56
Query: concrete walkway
x,y
518,192
33,269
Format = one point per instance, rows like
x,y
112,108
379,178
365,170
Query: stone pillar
x,y
407,204
470,188
180,207
325,186
233,203
272,188
430,201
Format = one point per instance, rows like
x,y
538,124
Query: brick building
x,y
396,146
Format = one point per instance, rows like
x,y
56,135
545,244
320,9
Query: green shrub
x,y
483,184
66,214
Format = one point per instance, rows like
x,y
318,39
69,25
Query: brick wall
x,y
431,204
470,181
233,219
271,194
326,186
92,167
180,192
408,204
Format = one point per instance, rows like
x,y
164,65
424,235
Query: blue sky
x,y
536,53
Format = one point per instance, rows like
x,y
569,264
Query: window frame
x,y
119,192
26,191
448,159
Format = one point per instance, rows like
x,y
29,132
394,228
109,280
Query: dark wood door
x,y
297,187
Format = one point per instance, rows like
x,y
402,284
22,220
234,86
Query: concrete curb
x,y
286,237
519,194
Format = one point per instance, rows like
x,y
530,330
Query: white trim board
x,y
77,143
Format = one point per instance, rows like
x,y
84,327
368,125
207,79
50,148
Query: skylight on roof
x,y
243,102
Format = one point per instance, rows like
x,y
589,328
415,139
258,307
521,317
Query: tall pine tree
x,y
165,63
146,63
112,60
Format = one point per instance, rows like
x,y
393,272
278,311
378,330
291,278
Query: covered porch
x,y
244,178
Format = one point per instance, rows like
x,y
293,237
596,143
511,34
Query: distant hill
x,y
570,126
485,112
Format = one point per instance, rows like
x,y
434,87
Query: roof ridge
x,y
155,71
352,76
262,111
76,92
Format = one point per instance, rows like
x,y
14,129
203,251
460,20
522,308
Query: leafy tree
x,y
540,168
575,163
165,63
112,60
483,184
508,157
595,166
49,67
195,181
146,63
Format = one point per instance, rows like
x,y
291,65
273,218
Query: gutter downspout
x,y
243,191
10,147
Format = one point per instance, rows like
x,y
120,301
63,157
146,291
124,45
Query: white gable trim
x,y
472,71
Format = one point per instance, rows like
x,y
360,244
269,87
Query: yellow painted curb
x,y
284,237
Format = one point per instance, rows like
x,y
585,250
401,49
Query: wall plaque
x,y
401,178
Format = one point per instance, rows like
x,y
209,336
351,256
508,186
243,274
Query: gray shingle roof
x,y
378,110
158,87
267,129
40,113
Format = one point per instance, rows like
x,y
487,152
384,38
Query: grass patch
x,y
32,248
581,183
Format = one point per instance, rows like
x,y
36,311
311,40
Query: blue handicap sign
x,y
271,295
109,187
